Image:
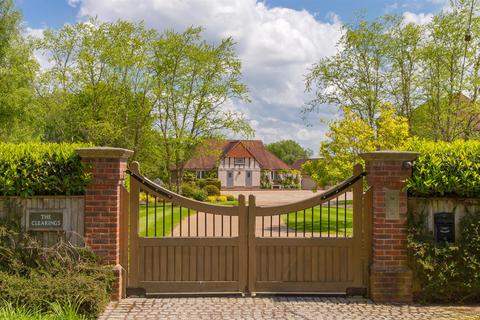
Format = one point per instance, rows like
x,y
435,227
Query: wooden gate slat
x,y
185,263
222,257
315,276
308,263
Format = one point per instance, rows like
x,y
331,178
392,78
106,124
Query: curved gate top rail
x,y
151,187
181,245
323,197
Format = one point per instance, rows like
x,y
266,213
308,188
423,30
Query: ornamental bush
x,y
445,169
200,195
212,190
221,198
29,169
187,190
202,183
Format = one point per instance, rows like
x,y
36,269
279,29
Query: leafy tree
x,y
97,88
350,136
449,69
192,80
289,151
354,77
17,73
409,66
403,53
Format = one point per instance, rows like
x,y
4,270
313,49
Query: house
x,y
237,163
307,182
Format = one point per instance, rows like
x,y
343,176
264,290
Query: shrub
x,y
41,169
41,290
143,198
202,183
37,276
187,190
265,181
200,195
446,272
221,198
189,176
212,190
230,197
445,169
211,198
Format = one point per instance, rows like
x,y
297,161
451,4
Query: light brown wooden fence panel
x,y
71,207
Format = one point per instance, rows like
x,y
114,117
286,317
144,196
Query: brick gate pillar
x,y
390,277
102,206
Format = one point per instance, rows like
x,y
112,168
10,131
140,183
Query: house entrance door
x,y
248,179
229,179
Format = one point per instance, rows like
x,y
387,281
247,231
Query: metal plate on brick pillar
x,y
392,203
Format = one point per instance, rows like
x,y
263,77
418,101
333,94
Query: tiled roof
x,y
210,152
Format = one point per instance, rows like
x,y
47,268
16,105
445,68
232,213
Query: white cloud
x,y
276,46
417,18
73,3
35,33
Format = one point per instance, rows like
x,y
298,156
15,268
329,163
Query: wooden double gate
x,y
179,245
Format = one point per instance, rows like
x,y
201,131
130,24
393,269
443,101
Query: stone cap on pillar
x,y
104,152
389,155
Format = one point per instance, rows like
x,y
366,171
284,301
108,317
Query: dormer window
x,y
239,161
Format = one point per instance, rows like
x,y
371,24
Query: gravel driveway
x,y
277,197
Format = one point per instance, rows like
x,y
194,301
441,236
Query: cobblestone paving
x,y
278,308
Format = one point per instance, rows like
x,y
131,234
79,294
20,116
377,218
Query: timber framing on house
x,y
238,163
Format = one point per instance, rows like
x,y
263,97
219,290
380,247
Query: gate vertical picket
x,y
134,213
243,246
357,224
252,263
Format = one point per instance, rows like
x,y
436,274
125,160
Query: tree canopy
x,y
17,73
406,65
289,151
391,80
119,84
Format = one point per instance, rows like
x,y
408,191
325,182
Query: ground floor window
x,y
201,174
274,175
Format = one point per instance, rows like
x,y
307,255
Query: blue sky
x,y
54,13
277,42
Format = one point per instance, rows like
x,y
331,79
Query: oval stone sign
x,y
45,221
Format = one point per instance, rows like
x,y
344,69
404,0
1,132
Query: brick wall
x,y
102,205
390,277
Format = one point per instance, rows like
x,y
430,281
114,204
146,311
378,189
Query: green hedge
x,y
445,169
41,169
202,183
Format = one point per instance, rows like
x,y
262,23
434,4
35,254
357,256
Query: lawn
x,y
322,222
166,219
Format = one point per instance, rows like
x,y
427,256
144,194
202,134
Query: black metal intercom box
x,y
444,226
